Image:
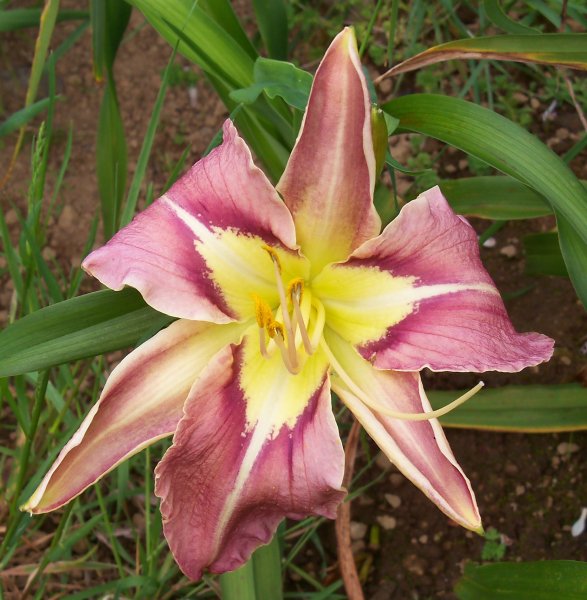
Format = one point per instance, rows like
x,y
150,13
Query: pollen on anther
x,y
263,312
274,328
273,254
295,286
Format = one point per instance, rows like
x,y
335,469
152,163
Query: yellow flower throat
x,y
296,328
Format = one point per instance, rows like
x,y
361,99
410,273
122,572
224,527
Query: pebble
x,y
11,217
562,133
567,448
520,490
394,500
414,564
358,530
423,539
67,217
450,169
387,522
520,97
382,461
49,253
534,103
386,86
511,469
566,360
510,251
396,479
490,242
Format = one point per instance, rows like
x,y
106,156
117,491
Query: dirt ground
x,y
530,488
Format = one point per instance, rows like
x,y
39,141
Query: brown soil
x,y
527,488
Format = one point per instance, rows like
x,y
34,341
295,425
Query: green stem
x,y
267,570
239,584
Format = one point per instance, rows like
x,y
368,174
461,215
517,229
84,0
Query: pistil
x,y
384,410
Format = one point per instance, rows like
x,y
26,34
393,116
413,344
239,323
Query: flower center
x,y
296,327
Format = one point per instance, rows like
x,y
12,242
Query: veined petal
x,y
419,449
196,253
418,296
141,403
329,179
228,480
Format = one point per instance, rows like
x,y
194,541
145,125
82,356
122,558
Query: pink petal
x,y
141,403
329,179
159,253
419,449
225,484
460,322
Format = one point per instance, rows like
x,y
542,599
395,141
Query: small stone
x,y
48,253
394,500
463,164
567,448
11,217
511,469
365,500
386,86
387,522
396,479
535,103
510,251
520,490
566,360
67,218
490,242
382,461
423,539
520,98
358,530
562,133
450,169
555,461
414,564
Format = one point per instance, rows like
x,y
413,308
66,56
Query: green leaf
x,y
22,18
109,21
78,328
523,408
239,584
498,17
211,46
267,570
277,78
512,150
23,116
558,49
541,580
543,255
111,159
494,198
272,20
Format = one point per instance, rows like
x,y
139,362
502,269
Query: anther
x,y
295,290
277,334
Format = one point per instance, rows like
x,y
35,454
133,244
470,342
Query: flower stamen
x,y
295,291
281,291
277,334
384,410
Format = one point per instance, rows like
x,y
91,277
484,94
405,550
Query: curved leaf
x,y
494,197
512,150
521,408
85,326
558,49
540,580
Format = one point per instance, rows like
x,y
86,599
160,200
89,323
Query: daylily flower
x,y
280,300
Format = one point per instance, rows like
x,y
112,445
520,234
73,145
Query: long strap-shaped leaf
x,y
558,49
512,150
86,326
520,408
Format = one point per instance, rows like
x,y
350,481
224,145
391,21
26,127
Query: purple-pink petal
x,y
158,252
225,484
465,327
